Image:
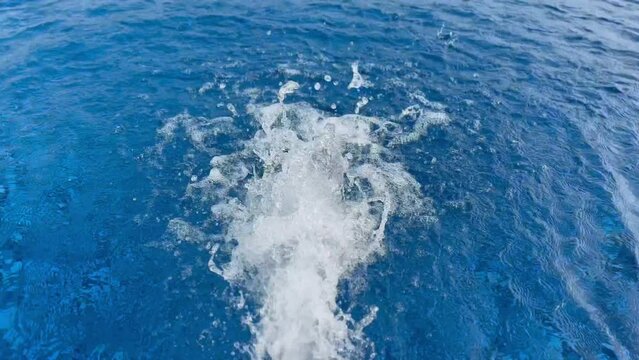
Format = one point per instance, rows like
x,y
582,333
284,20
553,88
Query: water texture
x,y
319,180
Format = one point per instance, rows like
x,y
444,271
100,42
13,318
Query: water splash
x,y
360,104
358,80
288,88
422,119
304,203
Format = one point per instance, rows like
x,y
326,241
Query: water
x,y
302,180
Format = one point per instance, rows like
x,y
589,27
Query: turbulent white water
x,y
316,195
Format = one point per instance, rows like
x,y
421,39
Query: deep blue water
x,y
529,248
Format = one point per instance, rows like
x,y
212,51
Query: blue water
x,y
529,247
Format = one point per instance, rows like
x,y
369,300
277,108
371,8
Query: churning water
x,y
315,193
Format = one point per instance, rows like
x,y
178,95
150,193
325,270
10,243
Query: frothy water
x,y
303,204
358,80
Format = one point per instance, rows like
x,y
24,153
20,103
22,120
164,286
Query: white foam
x,y
200,130
360,104
288,71
206,87
319,210
232,109
287,89
305,202
424,119
358,80
184,231
419,96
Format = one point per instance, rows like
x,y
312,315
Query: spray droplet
x,y
358,80
206,87
286,89
317,86
360,104
231,108
327,78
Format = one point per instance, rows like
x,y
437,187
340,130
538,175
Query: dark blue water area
x,y
534,183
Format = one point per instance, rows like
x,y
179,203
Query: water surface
x,y
482,203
